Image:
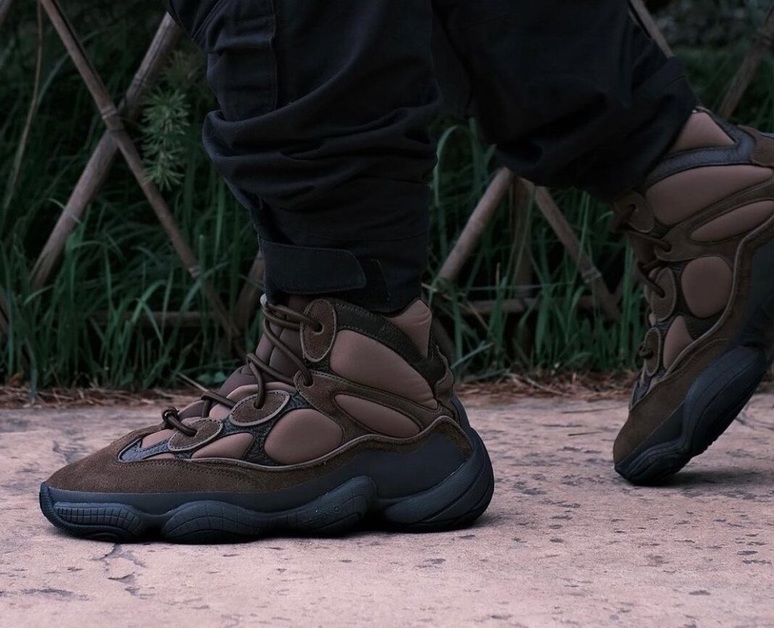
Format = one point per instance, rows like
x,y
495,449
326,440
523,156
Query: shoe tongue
x,y
700,131
241,383
275,358
269,353
415,321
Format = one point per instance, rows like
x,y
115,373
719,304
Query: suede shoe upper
x,y
695,227
323,385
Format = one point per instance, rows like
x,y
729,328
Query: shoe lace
x,y
273,315
621,224
645,352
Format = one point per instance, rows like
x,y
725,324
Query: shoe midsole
x,y
718,392
396,475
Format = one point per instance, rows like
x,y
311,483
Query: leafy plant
x,y
121,310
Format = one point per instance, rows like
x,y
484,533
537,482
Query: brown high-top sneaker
x,y
341,413
702,228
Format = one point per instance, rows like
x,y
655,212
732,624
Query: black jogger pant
x,y
324,106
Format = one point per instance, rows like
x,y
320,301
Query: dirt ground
x,y
565,541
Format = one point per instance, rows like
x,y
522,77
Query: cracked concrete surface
x,y
565,541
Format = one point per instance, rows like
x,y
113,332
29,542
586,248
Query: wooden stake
x,y
515,306
521,197
96,171
590,274
112,120
476,225
763,42
484,212
643,16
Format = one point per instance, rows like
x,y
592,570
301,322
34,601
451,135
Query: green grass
x,y
92,325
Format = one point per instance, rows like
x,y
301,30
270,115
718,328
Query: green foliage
x,y
166,127
164,133
99,320
553,332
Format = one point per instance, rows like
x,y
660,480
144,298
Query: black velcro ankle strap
x,y
304,270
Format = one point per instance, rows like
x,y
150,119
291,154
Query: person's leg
x,y
573,93
347,406
576,95
321,132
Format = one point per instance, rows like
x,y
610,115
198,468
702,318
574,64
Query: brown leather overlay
x,y
706,285
316,343
301,436
206,430
735,222
681,196
234,446
378,418
247,413
366,361
677,338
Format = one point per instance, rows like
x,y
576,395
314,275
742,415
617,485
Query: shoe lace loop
x,y
645,352
621,224
172,420
273,315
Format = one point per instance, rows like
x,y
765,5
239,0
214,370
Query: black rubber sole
x,y
455,502
716,398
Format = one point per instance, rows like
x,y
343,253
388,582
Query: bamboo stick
x,y
643,16
590,274
521,197
515,306
483,213
96,171
32,110
762,43
520,201
476,225
112,120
